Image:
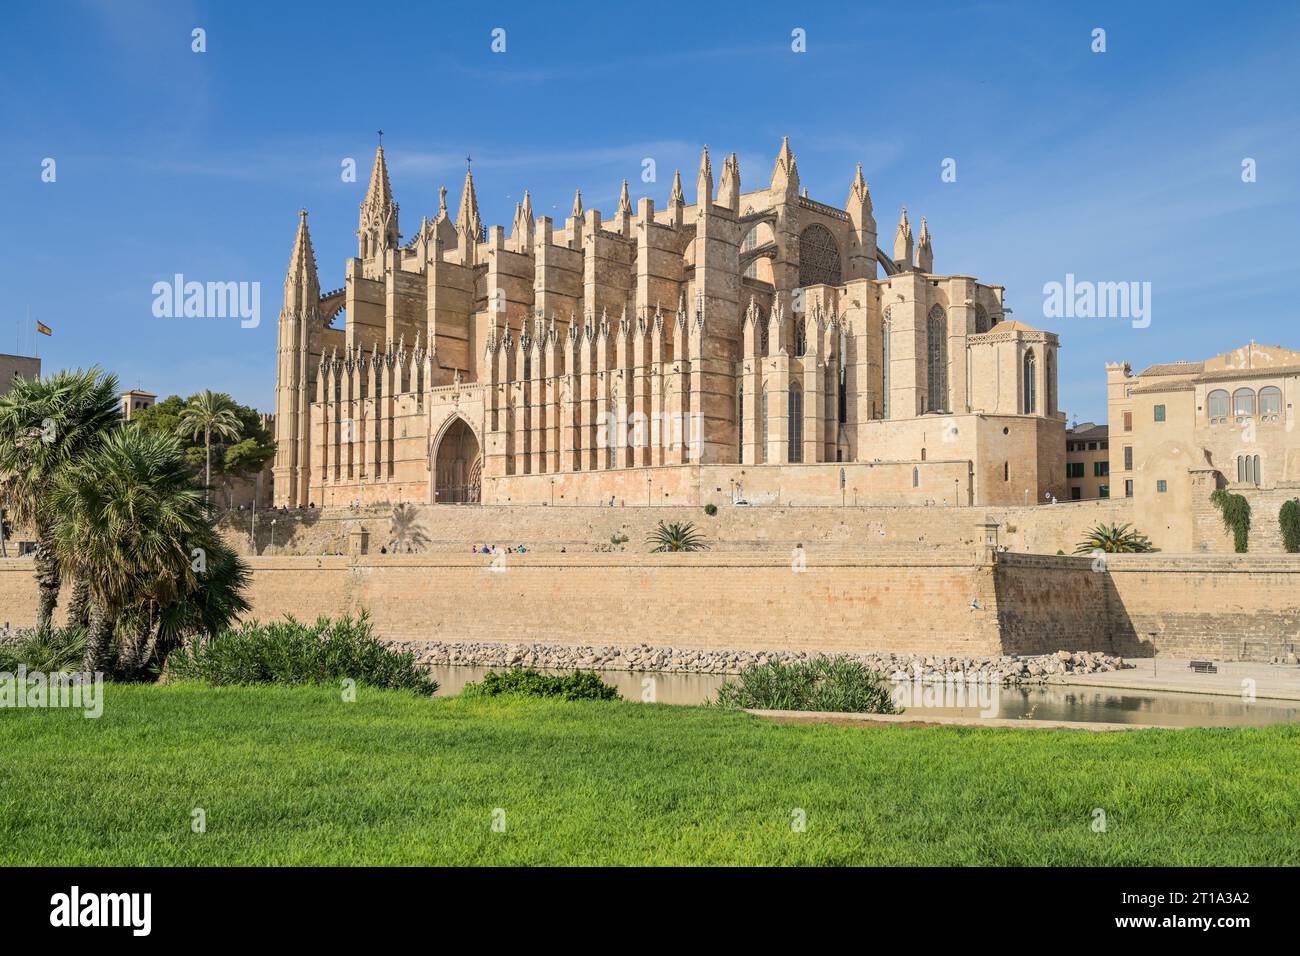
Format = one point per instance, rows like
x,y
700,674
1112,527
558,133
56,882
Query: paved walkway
x,y
1272,681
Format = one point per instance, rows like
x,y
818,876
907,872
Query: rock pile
x,y
1013,670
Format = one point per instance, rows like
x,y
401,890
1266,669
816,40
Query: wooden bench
x,y
1203,667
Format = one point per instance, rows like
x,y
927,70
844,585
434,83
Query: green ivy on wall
x,y
1289,519
1236,516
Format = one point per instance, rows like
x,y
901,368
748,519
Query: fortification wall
x,y
1237,607
455,529
1227,608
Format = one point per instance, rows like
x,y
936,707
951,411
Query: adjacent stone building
x,y
758,343
1087,461
16,366
1180,430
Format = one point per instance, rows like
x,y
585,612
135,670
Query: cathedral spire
x,y
860,192
467,218
903,242
925,249
729,188
704,183
576,211
377,228
625,201
678,197
301,284
785,174
527,208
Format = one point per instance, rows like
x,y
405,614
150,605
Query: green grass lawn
x,y
296,776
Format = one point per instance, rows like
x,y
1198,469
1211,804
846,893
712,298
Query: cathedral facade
x,y
755,346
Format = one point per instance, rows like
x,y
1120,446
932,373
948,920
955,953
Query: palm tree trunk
x,y
47,575
99,639
207,468
79,604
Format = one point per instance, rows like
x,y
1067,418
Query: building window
x,y
1217,403
740,424
1049,384
794,426
1100,469
750,242
1128,487
1006,471
884,365
1248,469
1270,403
1160,413
916,477
1031,384
1243,403
1128,421
819,257
936,330
763,333
1161,486
981,319
801,337
1128,457
1074,469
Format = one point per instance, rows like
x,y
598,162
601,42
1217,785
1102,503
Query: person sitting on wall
x,y
522,549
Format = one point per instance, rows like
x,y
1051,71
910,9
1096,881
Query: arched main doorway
x,y
457,466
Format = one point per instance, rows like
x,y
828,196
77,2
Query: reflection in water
x,y
1049,702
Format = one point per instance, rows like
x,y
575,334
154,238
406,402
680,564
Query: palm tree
x,y
47,425
1114,539
209,413
204,605
676,537
128,521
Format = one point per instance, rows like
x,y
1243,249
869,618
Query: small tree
x,y
1114,539
1289,519
676,537
1236,516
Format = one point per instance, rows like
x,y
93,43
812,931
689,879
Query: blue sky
x,y
1118,166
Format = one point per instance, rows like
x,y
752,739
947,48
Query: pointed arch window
x,y
1049,383
1030,383
801,337
794,425
936,331
981,319
740,423
884,364
843,378
763,335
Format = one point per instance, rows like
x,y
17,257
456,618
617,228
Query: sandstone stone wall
x,y
1140,605
868,530
951,603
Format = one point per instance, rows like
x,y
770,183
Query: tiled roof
x,y
1174,368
